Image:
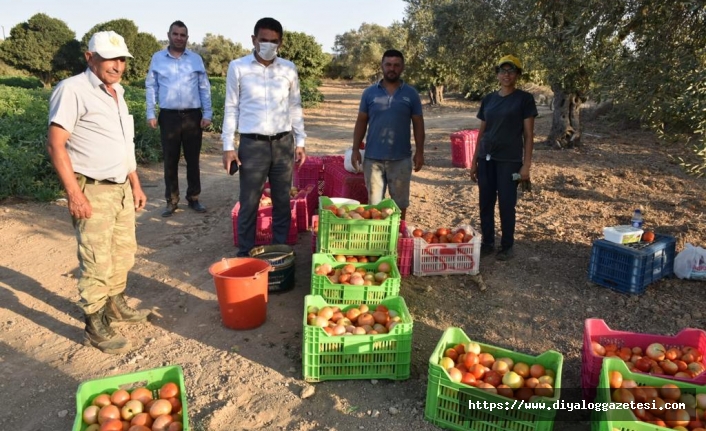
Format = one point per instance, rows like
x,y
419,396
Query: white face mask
x,y
268,51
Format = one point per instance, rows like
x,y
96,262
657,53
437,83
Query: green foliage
x,y
309,89
359,52
141,45
25,169
43,46
218,100
305,53
148,144
218,51
21,81
7,70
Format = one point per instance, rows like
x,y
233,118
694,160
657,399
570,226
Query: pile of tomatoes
x,y
138,410
655,398
360,320
360,213
443,235
685,362
467,364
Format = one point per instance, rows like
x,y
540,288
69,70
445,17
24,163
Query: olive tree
x,y
43,46
218,51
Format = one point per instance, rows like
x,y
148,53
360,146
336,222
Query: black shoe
x,y
196,206
99,334
117,310
486,250
171,209
505,254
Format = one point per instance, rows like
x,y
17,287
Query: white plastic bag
x,y
691,263
347,165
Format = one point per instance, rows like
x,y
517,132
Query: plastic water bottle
x,y
637,219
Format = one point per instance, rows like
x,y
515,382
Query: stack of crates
x,y
447,402
463,147
263,224
405,246
368,356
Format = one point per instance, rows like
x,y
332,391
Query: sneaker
x,y
505,254
486,249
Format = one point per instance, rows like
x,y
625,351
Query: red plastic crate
x,y
310,173
597,330
340,183
263,225
405,251
304,200
463,147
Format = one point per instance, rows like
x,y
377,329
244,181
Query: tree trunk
x,y
436,94
566,127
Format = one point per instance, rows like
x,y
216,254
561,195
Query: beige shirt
x,y
101,145
262,100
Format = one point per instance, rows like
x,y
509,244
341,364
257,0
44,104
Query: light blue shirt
x,y
178,83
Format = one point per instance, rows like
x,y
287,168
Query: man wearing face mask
x,y
263,104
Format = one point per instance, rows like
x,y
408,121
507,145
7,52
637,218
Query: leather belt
x,y
90,180
269,138
180,111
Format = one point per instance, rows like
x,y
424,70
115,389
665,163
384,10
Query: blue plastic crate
x,y
629,268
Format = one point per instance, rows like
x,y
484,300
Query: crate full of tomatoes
x,y
342,281
405,247
356,341
462,371
679,357
655,402
444,251
143,401
358,229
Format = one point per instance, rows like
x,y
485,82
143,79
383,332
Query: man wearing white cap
x,y
91,145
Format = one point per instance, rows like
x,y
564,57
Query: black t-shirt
x,y
504,118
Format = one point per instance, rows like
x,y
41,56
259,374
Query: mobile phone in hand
x,y
233,167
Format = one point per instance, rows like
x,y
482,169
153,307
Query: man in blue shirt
x,y
386,110
177,80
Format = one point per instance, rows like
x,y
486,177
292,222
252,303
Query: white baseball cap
x,y
108,44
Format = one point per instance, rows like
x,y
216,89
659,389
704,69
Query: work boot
x,y
118,311
101,336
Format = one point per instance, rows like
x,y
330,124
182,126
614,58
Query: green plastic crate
x,y
623,419
358,237
151,379
349,294
351,357
447,402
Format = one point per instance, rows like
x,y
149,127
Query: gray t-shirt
x,y
101,145
504,117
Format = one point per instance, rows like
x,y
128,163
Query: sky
x,y
234,19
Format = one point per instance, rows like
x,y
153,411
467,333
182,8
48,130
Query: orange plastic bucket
x,y
241,287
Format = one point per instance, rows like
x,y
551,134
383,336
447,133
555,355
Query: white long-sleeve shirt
x,y
262,100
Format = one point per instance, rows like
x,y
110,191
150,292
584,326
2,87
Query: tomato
x,y
161,407
142,395
648,236
417,233
451,353
615,379
120,397
112,425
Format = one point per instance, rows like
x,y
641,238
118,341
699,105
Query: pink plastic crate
x,y
405,250
304,200
263,225
339,183
463,146
447,258
597,330
310,173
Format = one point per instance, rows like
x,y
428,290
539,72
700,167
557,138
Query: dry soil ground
x,y
252,380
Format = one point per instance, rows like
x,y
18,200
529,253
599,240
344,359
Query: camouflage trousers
x,y
106,243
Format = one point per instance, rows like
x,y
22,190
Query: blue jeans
x,y
261,160
495,184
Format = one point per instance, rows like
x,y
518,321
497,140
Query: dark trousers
x,y
495,184
261,160
180,129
